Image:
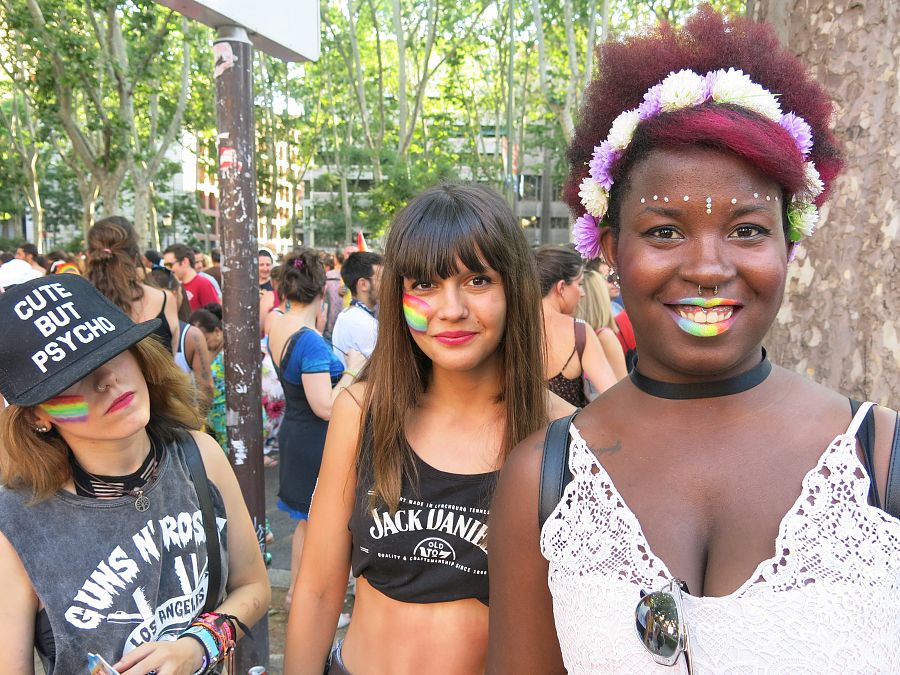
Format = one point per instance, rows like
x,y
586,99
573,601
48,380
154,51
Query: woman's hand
x,y
355,361
181,657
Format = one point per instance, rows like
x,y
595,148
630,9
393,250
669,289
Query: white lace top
x,y
828,601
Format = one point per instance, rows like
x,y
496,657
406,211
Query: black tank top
x,y
163,332
433,548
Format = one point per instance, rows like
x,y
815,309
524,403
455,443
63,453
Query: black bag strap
x,y
892,488
865,434
213,554
555,474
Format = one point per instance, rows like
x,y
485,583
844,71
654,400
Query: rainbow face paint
x,y
67,409
416,312
704,317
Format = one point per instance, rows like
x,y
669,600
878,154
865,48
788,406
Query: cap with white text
x,y
57,330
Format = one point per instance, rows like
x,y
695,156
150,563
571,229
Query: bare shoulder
x,y
558,407
523,466
215,461
350,402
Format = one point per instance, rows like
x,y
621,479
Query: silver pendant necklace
x,y
141,500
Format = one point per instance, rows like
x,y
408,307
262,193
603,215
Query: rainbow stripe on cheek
x,y
416,311
703,329
66,409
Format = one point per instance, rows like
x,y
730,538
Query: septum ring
x,y
700,290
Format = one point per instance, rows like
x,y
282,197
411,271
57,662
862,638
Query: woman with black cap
x,y
110,498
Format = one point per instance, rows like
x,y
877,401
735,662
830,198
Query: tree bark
x,y
402,100
547,196
839,321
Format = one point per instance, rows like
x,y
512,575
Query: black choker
x,y
726,387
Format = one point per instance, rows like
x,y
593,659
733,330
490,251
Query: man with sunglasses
x,y
200,290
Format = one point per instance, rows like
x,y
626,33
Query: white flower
x,y
594,197
682,90
814,184
622,130
803,218
733,86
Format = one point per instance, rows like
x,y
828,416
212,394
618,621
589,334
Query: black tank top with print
x,y
433,549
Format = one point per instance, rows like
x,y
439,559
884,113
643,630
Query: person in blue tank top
x,y
311,376
103,545
411,456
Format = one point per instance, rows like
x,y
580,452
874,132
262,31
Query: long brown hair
x,y
440,228
40,462
112,261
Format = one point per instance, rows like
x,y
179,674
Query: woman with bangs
x,y
413,450
713,512
103,531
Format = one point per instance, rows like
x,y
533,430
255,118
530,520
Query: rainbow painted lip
x,y
706,303
712,316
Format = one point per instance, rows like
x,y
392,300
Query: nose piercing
x,y
101,388
700,290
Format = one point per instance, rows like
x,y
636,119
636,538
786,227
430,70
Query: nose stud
x,y
101,388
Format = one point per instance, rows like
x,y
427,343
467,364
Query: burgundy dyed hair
x,y
707,42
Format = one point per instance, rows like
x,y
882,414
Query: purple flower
x,y
586,237
651,105
709,83
602,164
799,130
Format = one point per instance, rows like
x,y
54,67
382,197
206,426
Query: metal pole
x,y
240,291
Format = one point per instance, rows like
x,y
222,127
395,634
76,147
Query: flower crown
x,y
686,89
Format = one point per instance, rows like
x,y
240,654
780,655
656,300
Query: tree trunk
x,y
547,196
838,323
403,107
88,191
141,206
345,208
110,183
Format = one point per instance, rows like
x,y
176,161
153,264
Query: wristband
x,y
206,638
205,663
350,373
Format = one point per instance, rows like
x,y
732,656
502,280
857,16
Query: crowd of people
x,y
690,504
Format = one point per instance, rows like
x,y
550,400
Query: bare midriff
x,y
404,638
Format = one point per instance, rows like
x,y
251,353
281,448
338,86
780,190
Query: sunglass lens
x,y
657,622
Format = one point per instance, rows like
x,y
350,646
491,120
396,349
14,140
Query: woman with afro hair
x,y
717,511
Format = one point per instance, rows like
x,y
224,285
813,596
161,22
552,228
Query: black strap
x,y
892,488
555,472
865,434
201,485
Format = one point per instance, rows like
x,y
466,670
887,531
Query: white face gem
x,y
768,198
709,200
665,199
686,198
655,197
709,210
755,195
776,198
733,200
643,201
